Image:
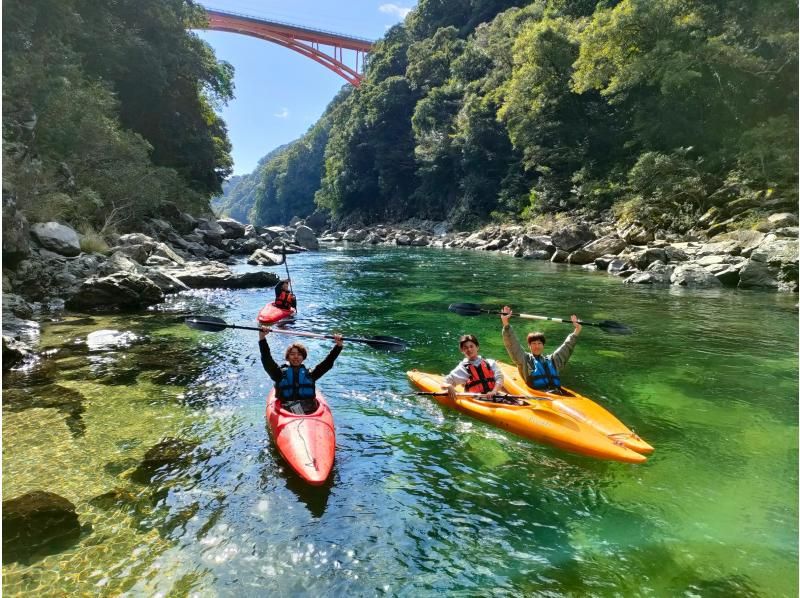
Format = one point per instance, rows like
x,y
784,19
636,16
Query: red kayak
x,y
306,442
272,313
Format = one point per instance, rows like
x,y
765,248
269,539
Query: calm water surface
x,y
422,501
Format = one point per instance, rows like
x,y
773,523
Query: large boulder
x,y
305,237
635,234
355,235
693,276
14,351
262,257
657,274
233,229
57,237
38,522
570,237
121,290
16,234
318,221
610,244
213,275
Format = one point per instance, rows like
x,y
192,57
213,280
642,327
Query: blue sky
x,y
279,93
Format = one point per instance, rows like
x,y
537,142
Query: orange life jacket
x,y
284,300
481,378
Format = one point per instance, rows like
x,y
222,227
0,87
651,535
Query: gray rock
x,y
165,251
16,234
137,253
657,274
14,352
136,239
121,290
570,237
17,306
164,280
262,257
38,522
782,219
756,274
693,276
233,229
675,254
57,237
305,237
355,235
635,234
559,256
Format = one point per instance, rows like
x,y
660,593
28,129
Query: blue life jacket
x,y
295,385
543,374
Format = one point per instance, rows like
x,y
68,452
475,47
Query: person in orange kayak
x,y
539,371
474,372
284,298
295,385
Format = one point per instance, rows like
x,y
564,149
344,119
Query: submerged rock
x,y
38,522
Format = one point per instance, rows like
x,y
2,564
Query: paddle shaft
x,y
296,333
478,395
533,317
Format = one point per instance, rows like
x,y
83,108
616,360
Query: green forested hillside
x,y
108,110
239,192
666,111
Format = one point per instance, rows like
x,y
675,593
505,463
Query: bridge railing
x,y
285,24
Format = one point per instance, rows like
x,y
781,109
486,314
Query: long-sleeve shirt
x,y
523,359
460,373
276,373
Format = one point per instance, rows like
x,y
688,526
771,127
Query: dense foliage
x,y
285,181
664,110
108,110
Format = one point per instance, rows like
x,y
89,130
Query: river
x,y
422,501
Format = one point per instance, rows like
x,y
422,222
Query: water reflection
x,y
274,470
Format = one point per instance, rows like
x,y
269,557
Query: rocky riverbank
x,y
45,270
745,259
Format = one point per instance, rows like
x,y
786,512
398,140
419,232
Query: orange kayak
x,y
579,408
536,420
271,313
306,442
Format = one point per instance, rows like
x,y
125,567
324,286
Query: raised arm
x,y
273,369
324,366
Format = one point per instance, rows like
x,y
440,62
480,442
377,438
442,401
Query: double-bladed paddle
x,y
520,400
473,309
212,324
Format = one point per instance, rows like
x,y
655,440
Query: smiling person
x,y
539,371
295,384
474,372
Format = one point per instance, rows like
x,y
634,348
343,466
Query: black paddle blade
x,y
387,343
467,309
206,323
613,327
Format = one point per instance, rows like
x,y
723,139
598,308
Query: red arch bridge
x,y
325,47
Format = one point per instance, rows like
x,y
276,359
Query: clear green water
x,y
422,501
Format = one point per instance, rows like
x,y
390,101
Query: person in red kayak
x,y
539,371
284,298
477,374
295,385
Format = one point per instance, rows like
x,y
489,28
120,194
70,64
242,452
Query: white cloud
x,y
392,9
284,113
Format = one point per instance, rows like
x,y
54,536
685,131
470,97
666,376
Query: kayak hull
x,y
270,314
580,408
306,442
536,421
